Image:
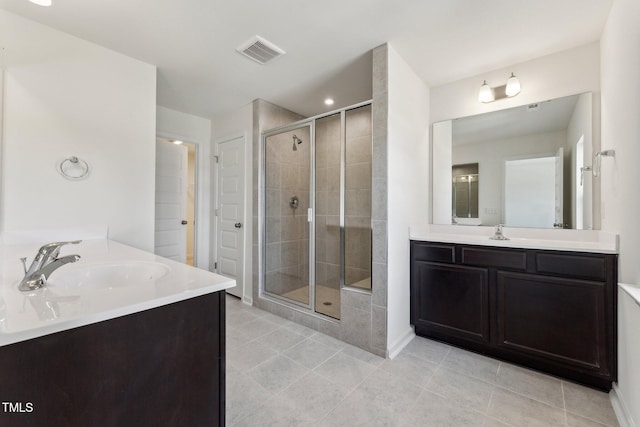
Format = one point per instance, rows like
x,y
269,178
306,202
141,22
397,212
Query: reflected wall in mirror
x,y
533,161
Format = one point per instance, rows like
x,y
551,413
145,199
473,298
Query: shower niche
x,y
315,209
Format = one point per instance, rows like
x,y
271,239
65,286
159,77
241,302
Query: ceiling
x,y
328,44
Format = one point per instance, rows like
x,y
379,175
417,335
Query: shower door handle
x,y
238,225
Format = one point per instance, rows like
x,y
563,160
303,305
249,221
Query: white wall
x,y
442,173
565,73
408,184
224,127
64,96
197,130
620,66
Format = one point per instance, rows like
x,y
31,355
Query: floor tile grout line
x,y
349,393
564,404
527,396
586,417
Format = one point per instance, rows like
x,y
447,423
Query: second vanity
x,y
545,299
121,337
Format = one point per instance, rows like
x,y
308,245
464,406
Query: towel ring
x,y
73,168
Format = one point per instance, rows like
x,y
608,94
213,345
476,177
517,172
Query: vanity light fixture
x,y
486,94
513,86
489,94
41,2
177,142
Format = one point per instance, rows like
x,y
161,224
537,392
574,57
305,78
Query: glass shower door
x,y
287,186
316,210
327,215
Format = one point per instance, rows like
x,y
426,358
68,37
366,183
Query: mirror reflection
x,y
526,166
465,192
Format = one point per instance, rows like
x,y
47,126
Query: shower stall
x,y
315,209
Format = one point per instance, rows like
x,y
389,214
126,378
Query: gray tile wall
x,y
358,198
328,201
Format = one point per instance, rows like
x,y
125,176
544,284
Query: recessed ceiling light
x,y
177,142
328,101
41,2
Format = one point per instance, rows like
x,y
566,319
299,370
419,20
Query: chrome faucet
x,y
45,262
498,233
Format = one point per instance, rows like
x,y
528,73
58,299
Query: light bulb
x,y
485,94
177,142
513,86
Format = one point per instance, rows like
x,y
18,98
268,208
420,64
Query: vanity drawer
x,y
512,259
572,265
433,252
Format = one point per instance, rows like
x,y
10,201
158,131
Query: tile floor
x,y
280,373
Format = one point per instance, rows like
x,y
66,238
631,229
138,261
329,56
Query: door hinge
x,y
216,158
215,265
215,211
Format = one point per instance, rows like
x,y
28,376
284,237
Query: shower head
x,y
296,141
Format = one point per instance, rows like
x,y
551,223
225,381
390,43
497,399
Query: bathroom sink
x,y
110,275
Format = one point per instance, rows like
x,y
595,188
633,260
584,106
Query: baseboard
x,y
620,408
401,343
247,300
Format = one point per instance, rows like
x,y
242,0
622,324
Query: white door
x,y
171,201
230,213
559,183
529,192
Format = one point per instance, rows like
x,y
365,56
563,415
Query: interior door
x,y
559,183
171,201
529,192
230,213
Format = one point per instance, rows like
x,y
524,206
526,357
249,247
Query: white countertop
x,y
525,238
632,291
26,315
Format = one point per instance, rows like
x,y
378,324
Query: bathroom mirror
x,y
532,166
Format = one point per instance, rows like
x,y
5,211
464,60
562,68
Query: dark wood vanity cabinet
x,y
554,311
159,367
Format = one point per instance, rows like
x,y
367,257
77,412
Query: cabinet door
x,y
450,301
560,320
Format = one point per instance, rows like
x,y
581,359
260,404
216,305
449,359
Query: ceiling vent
x,y
260,50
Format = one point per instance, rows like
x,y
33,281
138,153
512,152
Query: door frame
x,y
198,199
247,221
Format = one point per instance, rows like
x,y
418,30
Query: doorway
x,y
175,205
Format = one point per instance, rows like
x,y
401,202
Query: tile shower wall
x,y
328,202
358,198
287,229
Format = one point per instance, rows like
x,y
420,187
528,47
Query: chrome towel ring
x,y
73,168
